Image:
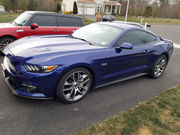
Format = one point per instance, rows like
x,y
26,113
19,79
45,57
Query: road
x,y
171,32
20,116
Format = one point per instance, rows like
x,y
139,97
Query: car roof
x,y
130,23
123,26
52,13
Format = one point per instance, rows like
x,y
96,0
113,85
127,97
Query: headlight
x,y
39,69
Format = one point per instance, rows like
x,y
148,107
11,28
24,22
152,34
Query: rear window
x,y
44,20
66,21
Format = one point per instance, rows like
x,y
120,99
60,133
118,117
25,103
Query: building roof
x,y
86,1
111,3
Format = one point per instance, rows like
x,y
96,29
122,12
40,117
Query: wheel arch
x,y
8,36
82,65
166,54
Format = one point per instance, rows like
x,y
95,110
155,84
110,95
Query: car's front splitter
x,y
21,91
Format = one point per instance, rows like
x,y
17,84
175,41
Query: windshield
x,y
98,34
22,19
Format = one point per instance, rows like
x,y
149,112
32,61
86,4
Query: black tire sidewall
x,y
59,92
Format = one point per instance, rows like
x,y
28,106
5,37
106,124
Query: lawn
x,y
7,17
158,116
152,20
10,17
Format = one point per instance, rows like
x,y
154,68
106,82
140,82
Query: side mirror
x,y
125,45
148,25
73,31
34,26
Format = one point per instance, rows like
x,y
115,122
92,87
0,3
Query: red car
x,y
37,23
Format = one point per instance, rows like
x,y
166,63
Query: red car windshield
x,y
22,19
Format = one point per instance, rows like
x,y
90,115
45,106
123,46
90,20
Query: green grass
x,y
158,116
152,20
87,21
8,17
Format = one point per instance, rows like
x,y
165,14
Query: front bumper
x,y
15,83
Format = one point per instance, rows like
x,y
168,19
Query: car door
x,y
67,25
124,63
47,25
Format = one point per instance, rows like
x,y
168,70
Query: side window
x,y
150,38
66,21
137,37
44,20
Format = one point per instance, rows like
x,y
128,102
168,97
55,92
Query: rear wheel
x,y
159,67
74,85
4,41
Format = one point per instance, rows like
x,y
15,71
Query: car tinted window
x,y
22,19
150,38
137,37
44,20
66,21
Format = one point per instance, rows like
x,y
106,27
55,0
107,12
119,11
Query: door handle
x,y
147,51
19,30
56,30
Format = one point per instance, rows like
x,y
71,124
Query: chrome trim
x,y
19,30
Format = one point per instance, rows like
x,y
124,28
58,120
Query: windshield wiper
x,y
17,24
82,39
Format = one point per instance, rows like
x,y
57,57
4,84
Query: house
x,y
90,7
2,9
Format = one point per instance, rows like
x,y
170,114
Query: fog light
x,y
29,88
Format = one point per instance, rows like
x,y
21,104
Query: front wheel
x,y
4,41
159,67
74,85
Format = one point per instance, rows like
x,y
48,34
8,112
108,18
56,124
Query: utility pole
x,y
127,8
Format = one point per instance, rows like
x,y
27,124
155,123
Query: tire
x,y
74,85
159,67
4,41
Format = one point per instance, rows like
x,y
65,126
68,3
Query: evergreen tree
x,y
75,9
58,6
7,4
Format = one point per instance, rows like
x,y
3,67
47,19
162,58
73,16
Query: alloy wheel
x,y
160,66
76,85
4,43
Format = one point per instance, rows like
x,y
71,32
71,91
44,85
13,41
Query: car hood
x,y
5,25
48,45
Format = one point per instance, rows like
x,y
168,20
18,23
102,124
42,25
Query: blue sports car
x,y
68,66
